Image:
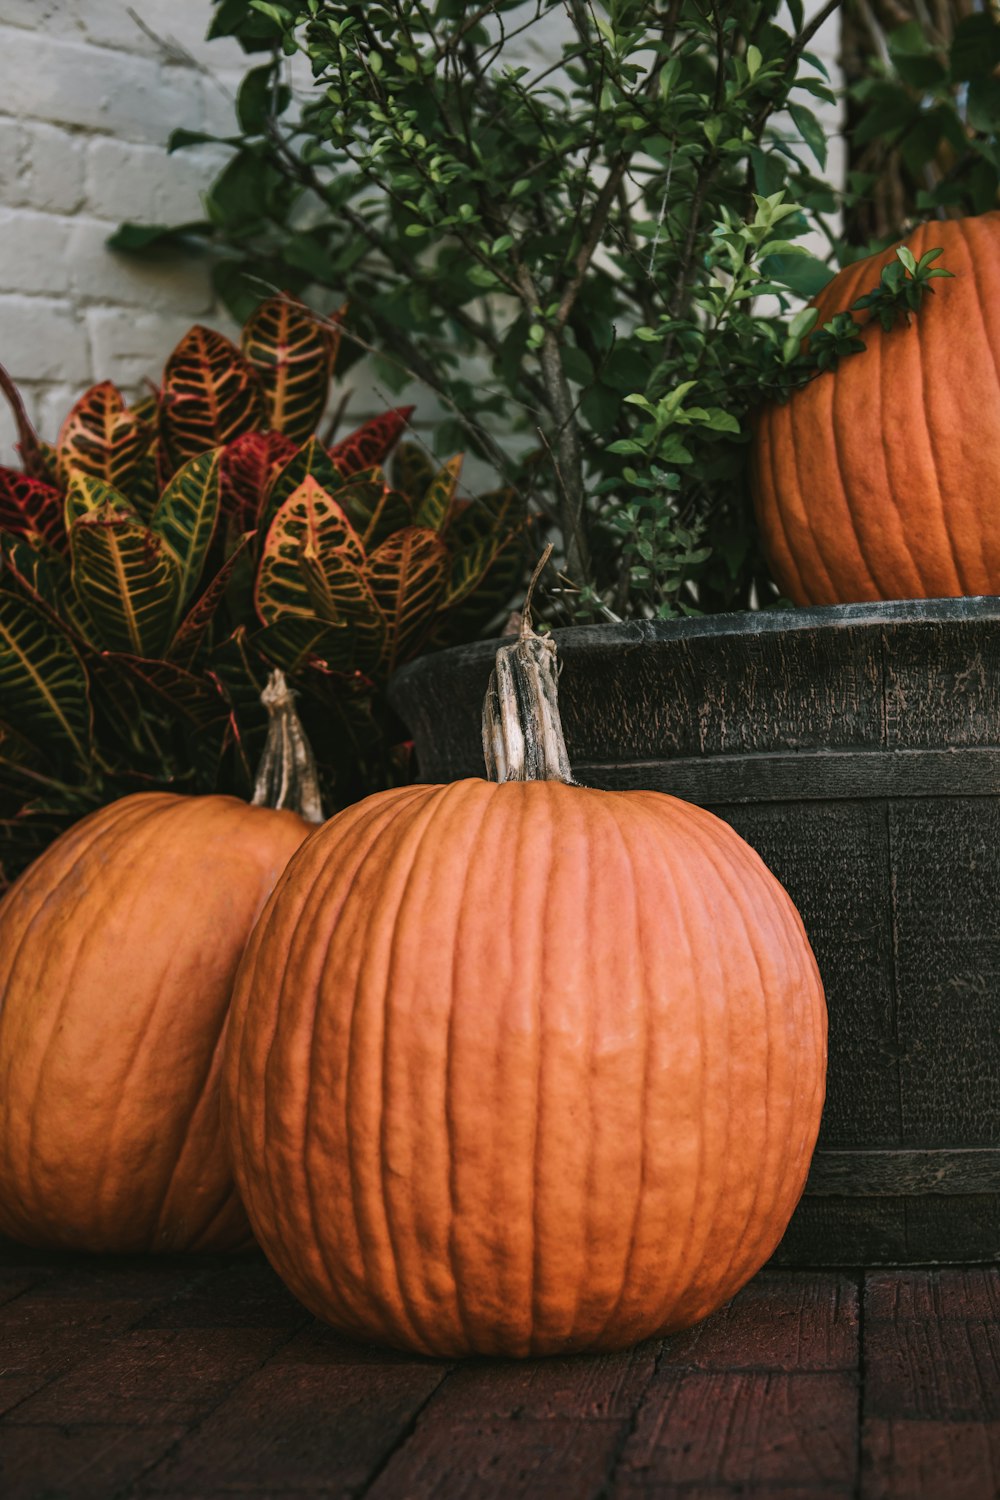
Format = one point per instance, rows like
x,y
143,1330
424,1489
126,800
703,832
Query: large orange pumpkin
x,y
523,1067
118,948
881,479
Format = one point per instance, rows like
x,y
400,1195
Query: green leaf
x,y
261,97
295,642
435,507
810,130
804,274
412,470
975,47
391,512
984,105
43,682
600,407
362,497
239,196
186,516
188,695
191,632
135,238
128,581
181,139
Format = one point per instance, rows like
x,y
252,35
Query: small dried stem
x,y
522,732
287,774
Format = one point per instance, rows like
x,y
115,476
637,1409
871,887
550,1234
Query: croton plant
x,y
161,557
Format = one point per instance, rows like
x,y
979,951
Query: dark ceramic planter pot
x,y
857,748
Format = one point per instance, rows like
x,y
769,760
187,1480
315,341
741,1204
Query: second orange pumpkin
x,y
881,479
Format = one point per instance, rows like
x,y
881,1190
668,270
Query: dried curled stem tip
x,y
287,774
522,732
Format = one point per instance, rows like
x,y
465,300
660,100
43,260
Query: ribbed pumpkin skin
x,y
523,1068
881,479
118,949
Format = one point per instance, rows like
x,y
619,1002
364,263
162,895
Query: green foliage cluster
x,y
589,246
923,103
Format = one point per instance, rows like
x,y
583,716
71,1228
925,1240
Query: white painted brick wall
x,y
87,101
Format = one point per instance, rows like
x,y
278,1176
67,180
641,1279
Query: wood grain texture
x,y
746,1428
605,1386
167,1376
942,1364
907,1460
775,1397
857,749
524,1460
915,1296
780,1321
292,1429
89,1462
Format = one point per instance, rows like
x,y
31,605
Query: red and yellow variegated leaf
x,y
210,395
145,485
43,575
29,507
390,513
85,494
193,628
311,461
480,532
413,468
250,464
361,496
309,528
186,515
438,499
407,575
293,355
338,591
38,569
102,437
490,555
191,696
44,461
147,408
295,643
372,442
43,682
127,580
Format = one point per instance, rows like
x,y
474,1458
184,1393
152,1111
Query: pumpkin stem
x,y
287,774
522,732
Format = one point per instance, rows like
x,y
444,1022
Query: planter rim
x,y
747,622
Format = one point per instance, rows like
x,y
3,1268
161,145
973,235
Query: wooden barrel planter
x,y
857,748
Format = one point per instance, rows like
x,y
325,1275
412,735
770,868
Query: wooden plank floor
x,y
204,1379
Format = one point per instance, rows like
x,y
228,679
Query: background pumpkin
x,y
880,479
118,948
524,1067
